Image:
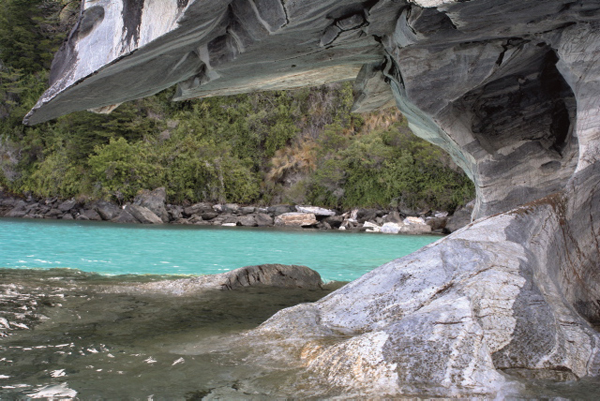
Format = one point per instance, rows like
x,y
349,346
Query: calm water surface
x,y
70,337
135,249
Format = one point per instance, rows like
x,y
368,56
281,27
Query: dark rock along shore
x,y
150,207
509,89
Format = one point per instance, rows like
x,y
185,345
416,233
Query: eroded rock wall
x,y
509,89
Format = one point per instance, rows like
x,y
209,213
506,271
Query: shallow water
x,y
83,341
72,335
141,249
124,346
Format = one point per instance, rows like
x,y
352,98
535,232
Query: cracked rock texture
x,y
509,89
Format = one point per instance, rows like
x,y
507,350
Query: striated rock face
x,y
446,320
509,89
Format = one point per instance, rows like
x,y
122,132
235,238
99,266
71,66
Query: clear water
x,y
190,250
70,337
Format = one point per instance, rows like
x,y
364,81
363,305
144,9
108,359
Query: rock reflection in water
x,y
68,334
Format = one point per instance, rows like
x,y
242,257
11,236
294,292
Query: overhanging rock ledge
x,y
510,89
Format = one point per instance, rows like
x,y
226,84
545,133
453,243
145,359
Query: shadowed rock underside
x,y
509,89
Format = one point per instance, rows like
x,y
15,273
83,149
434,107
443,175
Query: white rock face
x,y
449,316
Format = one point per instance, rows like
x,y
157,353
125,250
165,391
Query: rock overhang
x,y
479,78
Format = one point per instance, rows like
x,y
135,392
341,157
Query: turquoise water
x,y
191,250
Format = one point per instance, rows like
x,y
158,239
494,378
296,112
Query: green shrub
x,y
123,169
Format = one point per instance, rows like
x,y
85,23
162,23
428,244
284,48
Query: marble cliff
x,y
511,89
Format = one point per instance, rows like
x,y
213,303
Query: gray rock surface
x,y
124,217
143,214
89,214
247,221
460,218
155,201
107,210
509,89
67,205
263,220
272,275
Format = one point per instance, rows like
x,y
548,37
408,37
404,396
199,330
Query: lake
x,y
72,335
113,249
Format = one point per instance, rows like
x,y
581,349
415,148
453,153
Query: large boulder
x,y
143,214
198,208
124,217
460,218
19,209
155,202
272,275
455,317
89,214
276,210
67,205
107,210
295,219
317,211
264,220
247,221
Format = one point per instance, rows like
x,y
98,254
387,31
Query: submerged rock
x,y
267,275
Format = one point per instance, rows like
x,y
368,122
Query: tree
x,y
30,33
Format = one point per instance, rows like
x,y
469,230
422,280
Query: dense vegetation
x,y
301,146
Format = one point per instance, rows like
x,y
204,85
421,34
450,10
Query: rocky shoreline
x,y
150,207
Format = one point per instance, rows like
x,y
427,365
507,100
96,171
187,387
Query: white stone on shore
x,y
296,219
390,228
317,211
371,227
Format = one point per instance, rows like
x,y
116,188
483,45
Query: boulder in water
x,y
272,275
